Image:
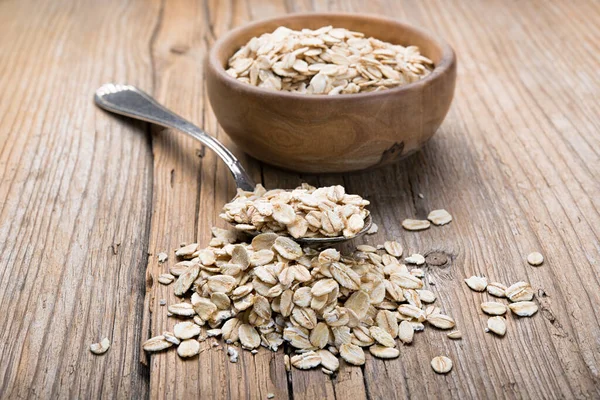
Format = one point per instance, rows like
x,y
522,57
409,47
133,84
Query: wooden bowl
x,y
321,133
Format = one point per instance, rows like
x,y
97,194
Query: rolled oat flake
x,y
536,259
454,335
441,364
497,325
440,217
416,259
188,348
476,283
523,308
415,224
100,348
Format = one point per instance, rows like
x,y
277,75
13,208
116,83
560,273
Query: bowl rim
x,y
447,60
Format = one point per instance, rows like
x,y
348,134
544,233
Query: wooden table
x,y
88,200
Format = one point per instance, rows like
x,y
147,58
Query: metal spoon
x,y
131,102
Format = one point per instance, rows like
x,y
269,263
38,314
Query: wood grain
x,y
74,200
87,201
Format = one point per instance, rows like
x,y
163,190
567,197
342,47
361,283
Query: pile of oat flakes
x,y
322,303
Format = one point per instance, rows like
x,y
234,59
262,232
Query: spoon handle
x,y
132,102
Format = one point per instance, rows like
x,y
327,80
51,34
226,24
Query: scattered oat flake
x,y
179,268
493,308
406,332
373,229
328,360
426,296
411,311
382,337
185,280
307,360
497,325
162,257
188,348
171,338
387,321
187,250
441,321
496,289
536,259
416,259
393,248
406,281
182,309
523,308
477,283
384,352
214,332
366,248
156,343
249,337
520,291
441,364
100,348
415,224
455,335
439,217
166,279
186,330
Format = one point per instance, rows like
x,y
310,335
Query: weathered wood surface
x,y
74,200
84,197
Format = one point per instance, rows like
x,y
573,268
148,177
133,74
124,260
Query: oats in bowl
x,y
327,60
339,133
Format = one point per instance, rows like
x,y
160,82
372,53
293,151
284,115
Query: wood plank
x,y
74,200
185,208
495,166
